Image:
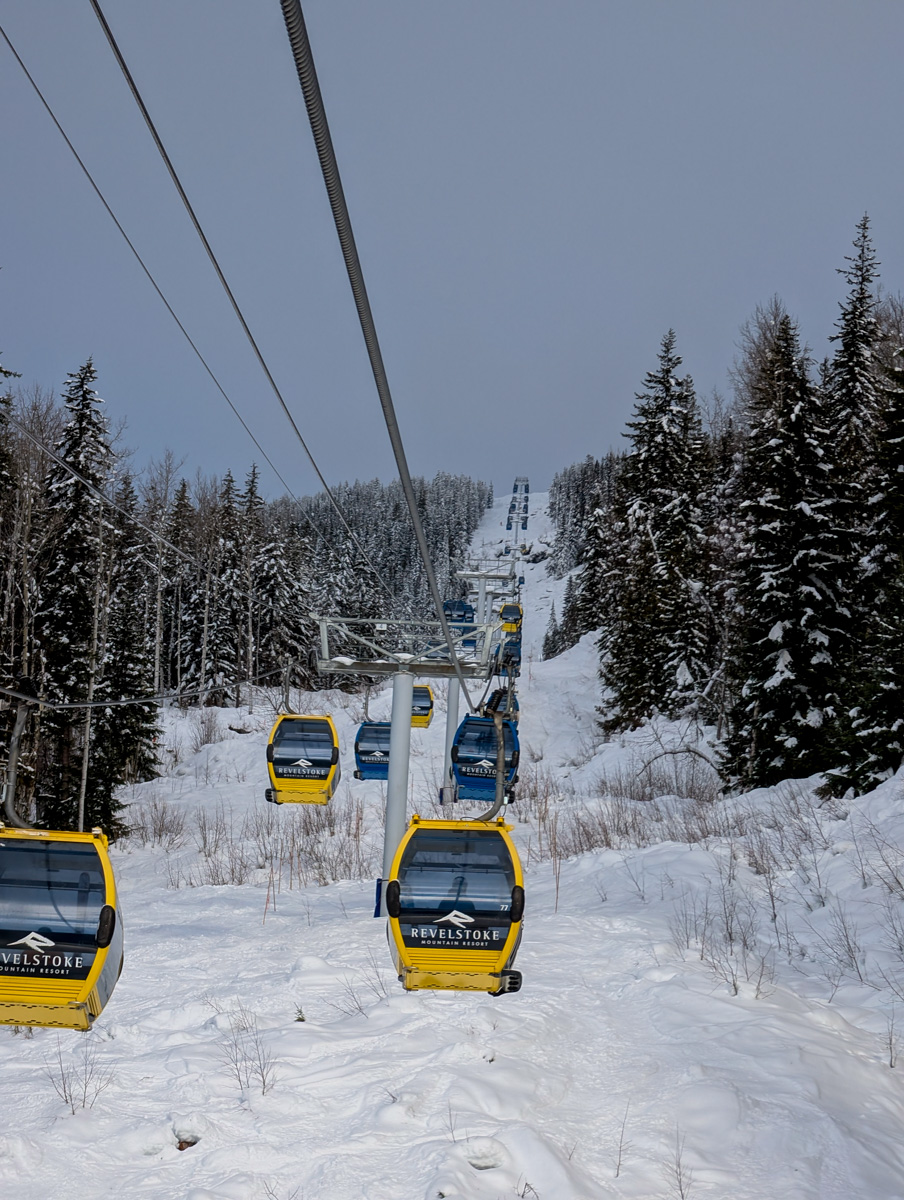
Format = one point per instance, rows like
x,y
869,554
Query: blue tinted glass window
x,y
469,871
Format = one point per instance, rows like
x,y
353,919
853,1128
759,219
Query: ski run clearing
x,y
713,999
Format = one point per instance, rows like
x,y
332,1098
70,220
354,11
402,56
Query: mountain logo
x,y
485,762
302,762
459,919
34,941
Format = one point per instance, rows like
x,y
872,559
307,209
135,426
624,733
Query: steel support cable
x,y
177,183
307,77
153,282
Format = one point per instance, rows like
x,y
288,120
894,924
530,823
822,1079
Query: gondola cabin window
x,y
421,706
302,749
477,744
373,741
51,897
443,872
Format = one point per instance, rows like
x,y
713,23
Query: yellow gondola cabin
x,y
455,902
61,940
421,706
511,615
303,760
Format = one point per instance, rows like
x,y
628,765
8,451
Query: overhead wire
x,y
181,328
155,285
310,86
183,196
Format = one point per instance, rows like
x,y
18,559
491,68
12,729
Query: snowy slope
x,y
671,1037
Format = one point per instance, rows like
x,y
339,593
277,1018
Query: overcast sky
x,y
539,191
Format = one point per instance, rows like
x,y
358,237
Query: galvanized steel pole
x,y
451,726
397,778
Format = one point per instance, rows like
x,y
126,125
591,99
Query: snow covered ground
x,y
709,1001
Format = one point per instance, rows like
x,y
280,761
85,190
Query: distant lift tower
x,y
493,572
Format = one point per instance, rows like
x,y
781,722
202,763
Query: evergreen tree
x,y
9,475
876,747
286,630
251,506
551,643
570,630
854,386
851,383
655,640
68,617
123,736
724,524
178,584
794,627
592,588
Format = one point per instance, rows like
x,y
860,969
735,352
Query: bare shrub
x,y
245,1053
891,871
679,1175
538,788
623,1146
157,823
691,921
842,943
212,831
261,827
78,1079
205,728
326,843
680,774
893,925
351,1000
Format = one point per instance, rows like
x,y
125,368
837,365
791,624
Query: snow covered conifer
x,y
655,636
123,736
68,618
793,626
177,584
551,645
854,385
876,747
570,630
286,631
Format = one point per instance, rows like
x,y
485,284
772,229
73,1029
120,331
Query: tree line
x,y
191,591
748,570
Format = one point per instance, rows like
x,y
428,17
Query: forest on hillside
x,y
745,567
123,586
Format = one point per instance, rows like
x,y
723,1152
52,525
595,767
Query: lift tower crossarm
x,y
415,646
